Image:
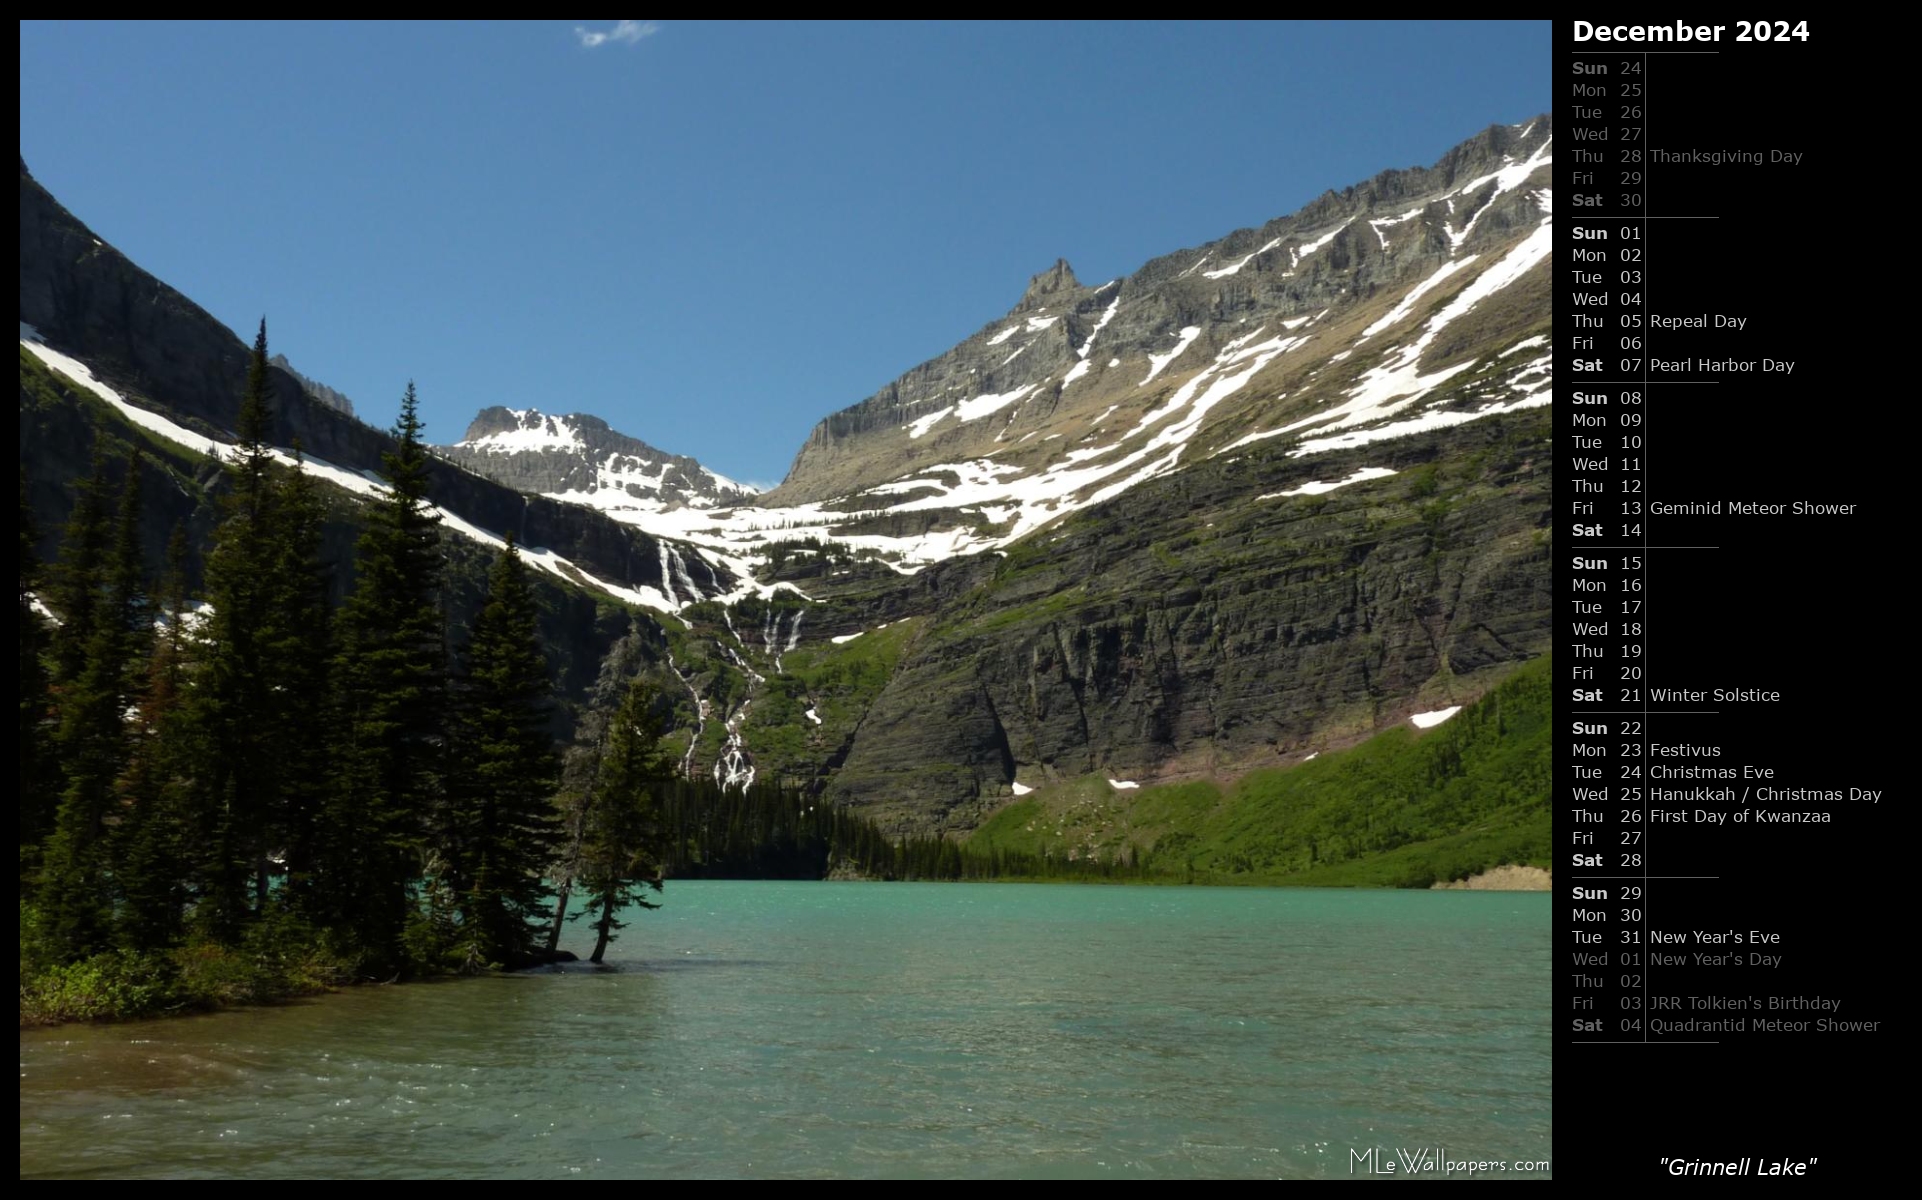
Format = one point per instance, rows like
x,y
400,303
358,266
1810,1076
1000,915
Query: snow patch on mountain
x,y
536,431
1378,224
1081,352
1398,382
1506,179
1159,362
1306,248
722,481
983,405
1428,421
1396,314
1226,271
1317,488
919,427
1107,315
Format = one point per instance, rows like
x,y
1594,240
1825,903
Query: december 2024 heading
x,y
1682,31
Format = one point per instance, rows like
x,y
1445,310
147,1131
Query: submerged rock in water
x,y
540,958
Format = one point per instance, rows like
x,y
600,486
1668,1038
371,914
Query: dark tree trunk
x,y
603,928
567,884
560,914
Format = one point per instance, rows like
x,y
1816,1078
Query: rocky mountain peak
x,y
1052,282
1074,385
531,422
579,457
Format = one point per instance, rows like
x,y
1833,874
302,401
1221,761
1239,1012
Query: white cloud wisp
x,y
629,32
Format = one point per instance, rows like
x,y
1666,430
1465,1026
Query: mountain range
x,y
1260,500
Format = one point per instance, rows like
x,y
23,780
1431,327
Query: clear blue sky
x,y
713,235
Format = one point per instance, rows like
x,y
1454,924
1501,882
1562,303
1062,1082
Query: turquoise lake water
x,y
831,1030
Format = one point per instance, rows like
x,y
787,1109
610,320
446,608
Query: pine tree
x,y
390,685
149,847
74,595
92,741
620,845
238,787
581,765
297,643
502,823
36,794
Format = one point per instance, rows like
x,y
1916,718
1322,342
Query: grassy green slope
x,y
1403,809
44,395
839,681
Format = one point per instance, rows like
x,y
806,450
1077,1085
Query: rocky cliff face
x,y
579,459
1181,631
316,391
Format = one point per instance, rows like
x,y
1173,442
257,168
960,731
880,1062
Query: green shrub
x,y
279,956
117,985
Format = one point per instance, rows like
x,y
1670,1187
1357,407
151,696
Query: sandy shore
x,y
1504,879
